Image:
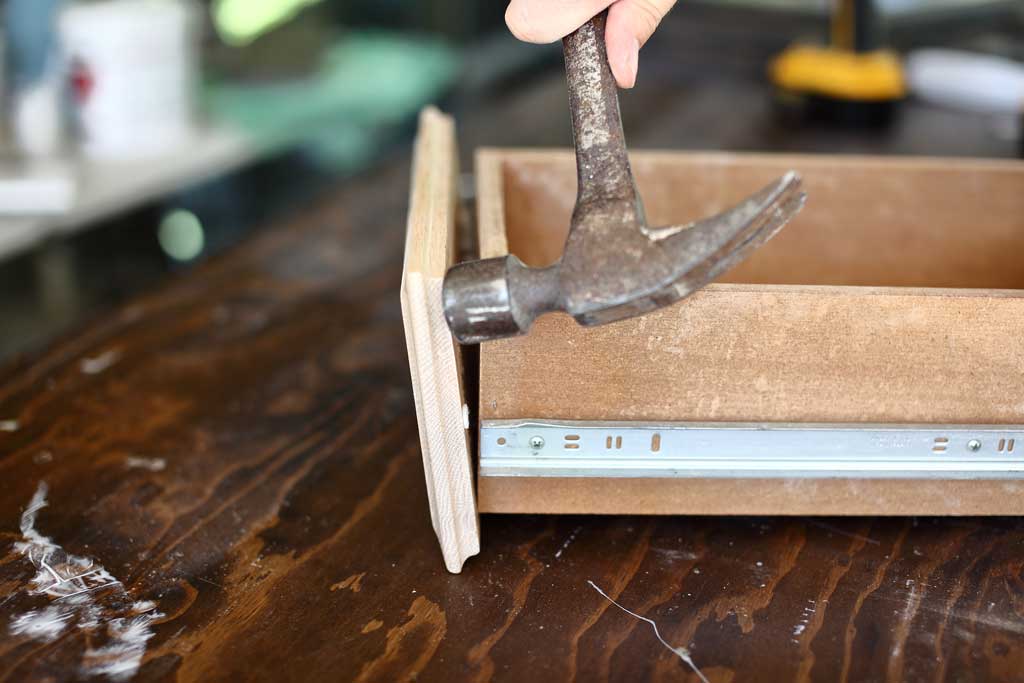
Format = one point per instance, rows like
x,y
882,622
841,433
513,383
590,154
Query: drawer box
x,y
868,360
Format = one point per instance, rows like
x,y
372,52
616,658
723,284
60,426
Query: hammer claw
x,y
708,248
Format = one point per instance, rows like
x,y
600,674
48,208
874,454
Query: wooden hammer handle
x,y
602,163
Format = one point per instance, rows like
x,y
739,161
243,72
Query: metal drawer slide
x,y
729,449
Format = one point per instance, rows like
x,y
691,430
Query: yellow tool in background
x,y
850,81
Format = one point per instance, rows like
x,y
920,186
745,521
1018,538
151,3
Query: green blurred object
x,y
181,235
367,82
239,22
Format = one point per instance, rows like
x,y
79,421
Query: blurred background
x,y
142,137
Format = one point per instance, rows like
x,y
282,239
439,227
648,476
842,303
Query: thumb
x,y
545,21
630,24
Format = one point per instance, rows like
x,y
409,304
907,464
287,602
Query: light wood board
x,y
653,496
434,359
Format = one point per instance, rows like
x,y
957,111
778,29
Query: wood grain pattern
x,y
434,361
273,382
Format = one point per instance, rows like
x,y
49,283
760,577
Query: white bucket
x,y
133,70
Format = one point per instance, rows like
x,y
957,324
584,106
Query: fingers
x,y
545,21
630,24
638,18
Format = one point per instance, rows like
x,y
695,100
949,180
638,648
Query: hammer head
x,y
613,267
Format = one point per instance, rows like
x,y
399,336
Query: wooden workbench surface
x,y
231,467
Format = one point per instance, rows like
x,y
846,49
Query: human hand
x,y
630,24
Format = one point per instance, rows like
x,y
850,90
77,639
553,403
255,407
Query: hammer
x,y
613,266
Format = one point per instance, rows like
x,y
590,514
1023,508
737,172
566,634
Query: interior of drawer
x,y
868,221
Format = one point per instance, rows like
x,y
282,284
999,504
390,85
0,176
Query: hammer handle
x,y
602,164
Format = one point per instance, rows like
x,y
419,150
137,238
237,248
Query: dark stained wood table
x,y
221,481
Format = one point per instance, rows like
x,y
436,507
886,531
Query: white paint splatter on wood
x,y
41,624
805,620
120,657
913,598
83,596
568,541
94,366
151,464
680,652
673,555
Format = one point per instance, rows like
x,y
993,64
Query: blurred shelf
x,y
105,189
368,82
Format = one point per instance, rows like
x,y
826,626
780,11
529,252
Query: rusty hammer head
x,y
613,265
